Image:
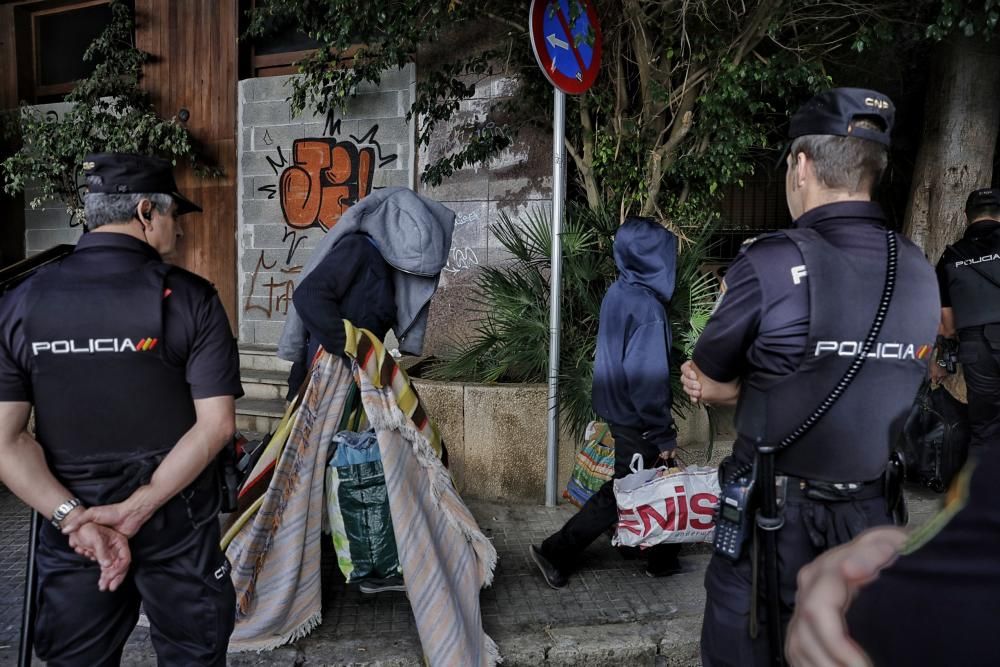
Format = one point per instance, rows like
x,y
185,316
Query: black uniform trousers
x,y
178,573
810,528
601,512
979,354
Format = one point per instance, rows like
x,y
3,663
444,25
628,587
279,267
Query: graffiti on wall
x,y
277,294
317,181
461,259
326,178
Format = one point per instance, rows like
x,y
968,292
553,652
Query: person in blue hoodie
x,y
631,390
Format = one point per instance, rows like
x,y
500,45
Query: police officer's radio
x,y
733,521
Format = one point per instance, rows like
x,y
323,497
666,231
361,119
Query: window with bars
x,y
756,207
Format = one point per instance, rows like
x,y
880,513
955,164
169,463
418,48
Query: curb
x,y
667,643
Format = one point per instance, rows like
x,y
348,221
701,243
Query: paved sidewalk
x,y
610,614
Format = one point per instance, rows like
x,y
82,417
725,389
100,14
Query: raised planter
x,y
496,437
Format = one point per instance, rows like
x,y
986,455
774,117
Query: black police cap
x,y
836,112
126,173
983,198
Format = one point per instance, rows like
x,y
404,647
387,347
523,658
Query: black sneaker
x,y
394,583
665,569
553,577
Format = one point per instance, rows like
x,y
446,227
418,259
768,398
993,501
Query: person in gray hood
x,y
413,235
631,390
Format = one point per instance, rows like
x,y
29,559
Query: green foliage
x,y
109,112
964,17
361,41
739,114
511,340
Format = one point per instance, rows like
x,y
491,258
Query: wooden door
x,y
193,44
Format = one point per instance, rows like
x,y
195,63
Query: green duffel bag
x,y
358,509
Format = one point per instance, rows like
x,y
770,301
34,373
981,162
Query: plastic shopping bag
x,y
357,508
666,505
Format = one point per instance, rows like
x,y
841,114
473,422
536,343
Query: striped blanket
x,y
445,558
276,556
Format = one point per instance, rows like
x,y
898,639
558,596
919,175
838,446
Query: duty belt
x,y
791,488
109,482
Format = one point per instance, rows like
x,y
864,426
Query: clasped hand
x,y
102,533
106,546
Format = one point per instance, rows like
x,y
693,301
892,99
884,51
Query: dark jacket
x,y
413,234
351,283
632,367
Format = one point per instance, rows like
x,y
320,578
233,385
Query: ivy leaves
x,y
109,112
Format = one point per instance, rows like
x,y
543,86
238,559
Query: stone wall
x,y
496,437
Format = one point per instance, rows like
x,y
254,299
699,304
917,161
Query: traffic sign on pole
x,y
566,39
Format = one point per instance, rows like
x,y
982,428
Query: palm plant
x,y
511,341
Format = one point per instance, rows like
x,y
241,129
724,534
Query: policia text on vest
x,y
821,348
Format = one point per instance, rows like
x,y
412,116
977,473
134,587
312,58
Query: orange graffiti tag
x,y
326,178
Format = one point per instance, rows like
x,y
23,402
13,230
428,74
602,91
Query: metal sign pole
x,y
555,286
566,40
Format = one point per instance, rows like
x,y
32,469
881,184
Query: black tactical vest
x,y
969,267
103,389
851,442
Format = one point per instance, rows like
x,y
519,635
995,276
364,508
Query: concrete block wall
x,y
274,242
515,182
274,245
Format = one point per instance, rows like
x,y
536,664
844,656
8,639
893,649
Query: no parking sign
x,y
566,39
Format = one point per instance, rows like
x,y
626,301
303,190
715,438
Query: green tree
x,y
109,112
961,117
687,91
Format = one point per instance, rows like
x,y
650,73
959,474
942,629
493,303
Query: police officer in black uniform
x,y
132,369
969,277
796,309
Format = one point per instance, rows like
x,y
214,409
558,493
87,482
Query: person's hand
x,y
668,455
817,634
665,461
106,546
702,389
690,381
126,517
938,372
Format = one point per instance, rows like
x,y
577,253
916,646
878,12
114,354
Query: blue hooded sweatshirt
x,y
632,368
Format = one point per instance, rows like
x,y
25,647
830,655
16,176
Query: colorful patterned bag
x,y
595,464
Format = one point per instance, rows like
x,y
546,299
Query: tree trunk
x,y
960,134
